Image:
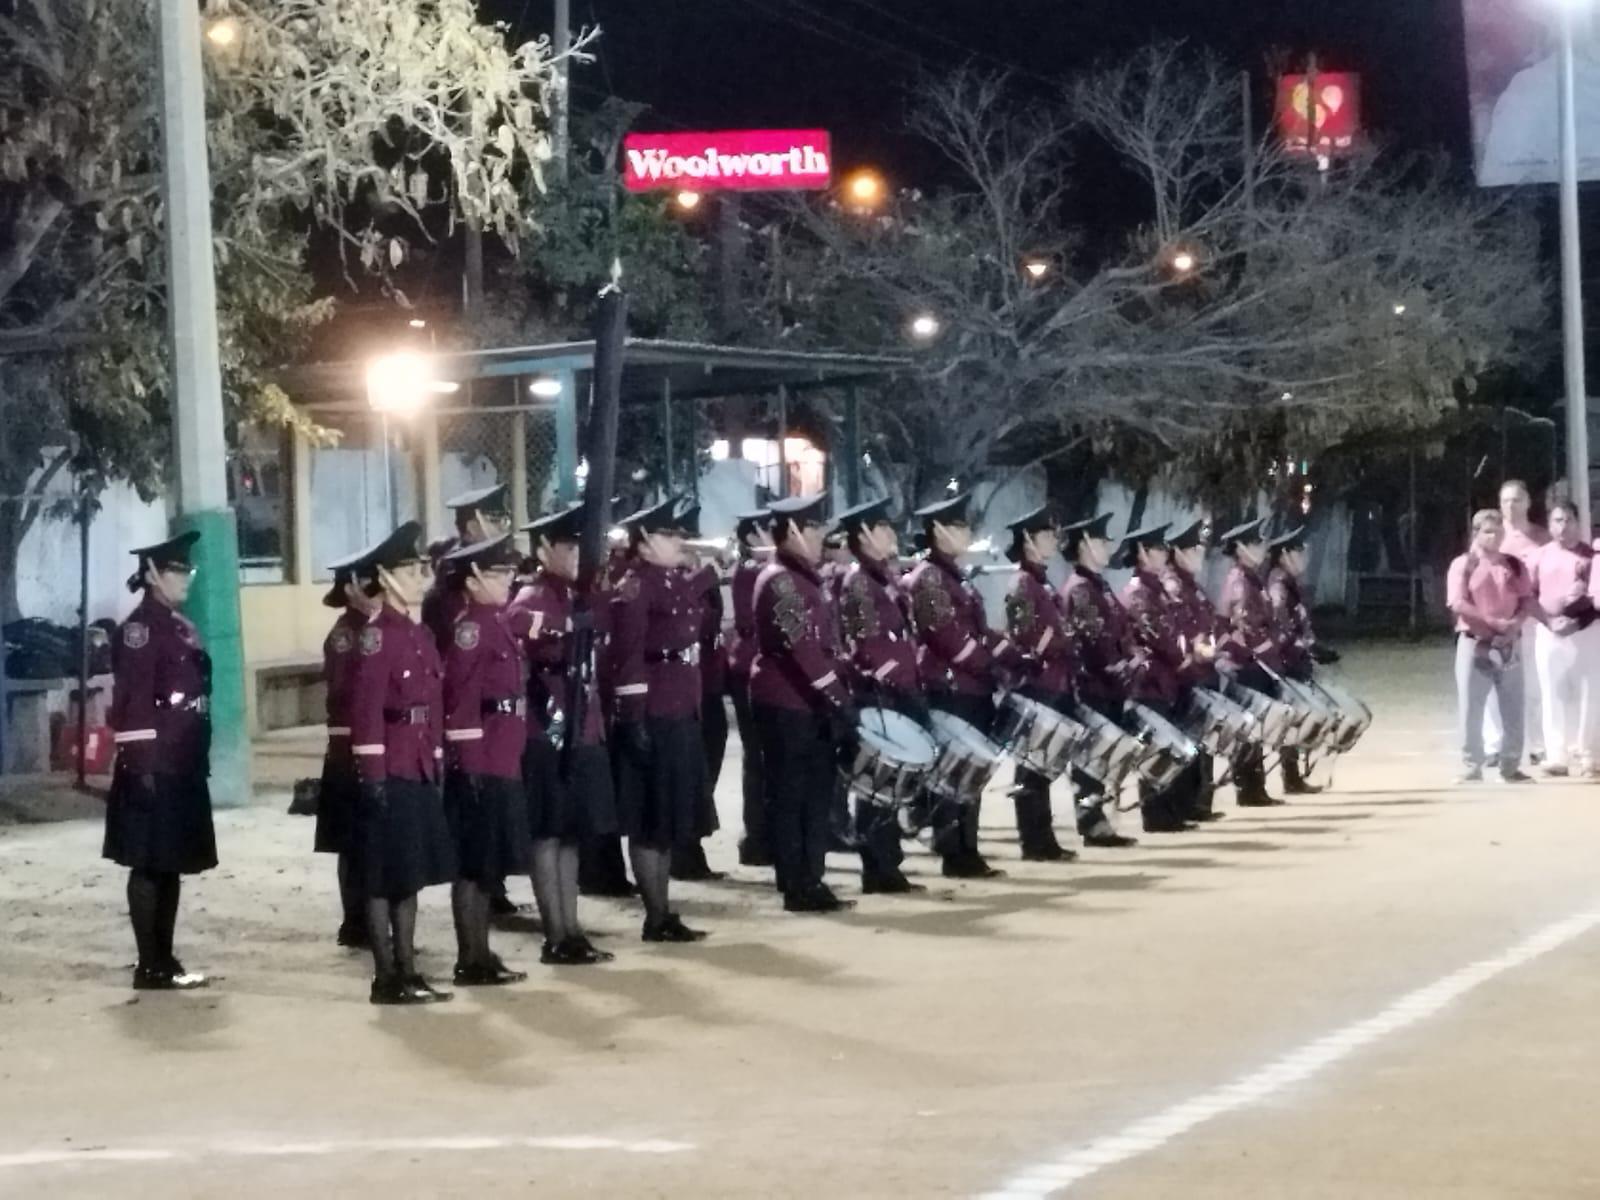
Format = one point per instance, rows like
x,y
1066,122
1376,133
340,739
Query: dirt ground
x,y
981,1039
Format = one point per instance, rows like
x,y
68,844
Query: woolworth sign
x,y
730,160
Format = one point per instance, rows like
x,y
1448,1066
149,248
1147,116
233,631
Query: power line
x,y
967,50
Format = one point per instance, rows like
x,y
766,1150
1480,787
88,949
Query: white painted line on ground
x,y
251,1149
1073,1164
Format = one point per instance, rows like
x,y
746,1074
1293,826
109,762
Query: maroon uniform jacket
x,y
742,588
338,672
160,701
655,644
958,652
1291,620
1038,627
796,644
1252,636
396,717
485,702
876,630
1154,632
1196,618
1099,627
541,615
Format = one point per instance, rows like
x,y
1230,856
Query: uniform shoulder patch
x,y
371,640
467,635
1020,612
135,635
341,641
783,584
931,605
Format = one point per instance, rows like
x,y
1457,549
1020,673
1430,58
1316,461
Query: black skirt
x,y
714,737
160,823
336,805
403,842
585,807
662,803
489,820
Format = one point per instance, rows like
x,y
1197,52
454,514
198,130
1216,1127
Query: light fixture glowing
x,y
925,327
546,387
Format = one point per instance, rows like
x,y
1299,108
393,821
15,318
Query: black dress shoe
x,y
1209,815
888,885
575,951
423,992
1261,801
971,866
1051,852
830,902
672,929
354,935
697,873
803,902
169,978
1108,840
1300,787
493,973
391,989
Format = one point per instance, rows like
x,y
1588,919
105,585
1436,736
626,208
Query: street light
x,y
1037,268
222,32
925,327
687,200
398,383
1399,310
417,323
546,387
1571,273
865,189
1184,261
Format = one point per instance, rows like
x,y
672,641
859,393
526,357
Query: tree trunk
x,y
11,535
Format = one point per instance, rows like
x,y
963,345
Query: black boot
x,y
689,864
1294,783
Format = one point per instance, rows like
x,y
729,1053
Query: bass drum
x,y
966,761
1167,752
892,760
1039,737
1354,717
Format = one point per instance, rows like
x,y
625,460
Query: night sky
x,y
847,65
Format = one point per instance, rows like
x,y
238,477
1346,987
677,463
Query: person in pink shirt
x,y
1523,540
1490,595
1565,648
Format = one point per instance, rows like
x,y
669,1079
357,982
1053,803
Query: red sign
x,y
732,160
1337,112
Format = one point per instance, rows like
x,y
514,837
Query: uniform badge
x,y
467,635
371,640
341,642
135,635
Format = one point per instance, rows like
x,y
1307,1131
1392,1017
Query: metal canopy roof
x,y
651,369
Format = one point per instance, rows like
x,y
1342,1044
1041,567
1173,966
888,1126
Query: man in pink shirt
x,y
1565,650
1523,540
1489,594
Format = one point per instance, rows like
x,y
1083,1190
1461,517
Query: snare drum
x,y
1039,737
1275,719
1108,752
1221,727
1354,717
892,759
966,761
1167,752
1315,719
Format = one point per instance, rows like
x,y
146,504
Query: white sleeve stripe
x,y
826,681
376,748
966,651
633,689
883,672
136,735
463,735
1049,636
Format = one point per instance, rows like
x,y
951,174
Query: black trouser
x,y
955,823
1249,765
755,843
1206,785
799,755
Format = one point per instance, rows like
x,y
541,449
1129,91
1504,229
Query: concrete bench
x,y
27,717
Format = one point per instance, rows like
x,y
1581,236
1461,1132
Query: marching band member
x,y
479,515
753,533
562,811
336,797
802,713
659,757
689,859
958,659
1154,632
882,668
403,841
1490,595
1037,627
158,815
1297,644
485,732
1098,629
1197,626
1251,643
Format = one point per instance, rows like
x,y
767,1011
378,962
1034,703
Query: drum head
x,y
948,727
897,737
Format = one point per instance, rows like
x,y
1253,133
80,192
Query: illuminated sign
x,y
731,160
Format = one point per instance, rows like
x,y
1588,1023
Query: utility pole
x,y
561,46
1572,287
199,436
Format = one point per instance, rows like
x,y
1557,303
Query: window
x,y
260,491
349,502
